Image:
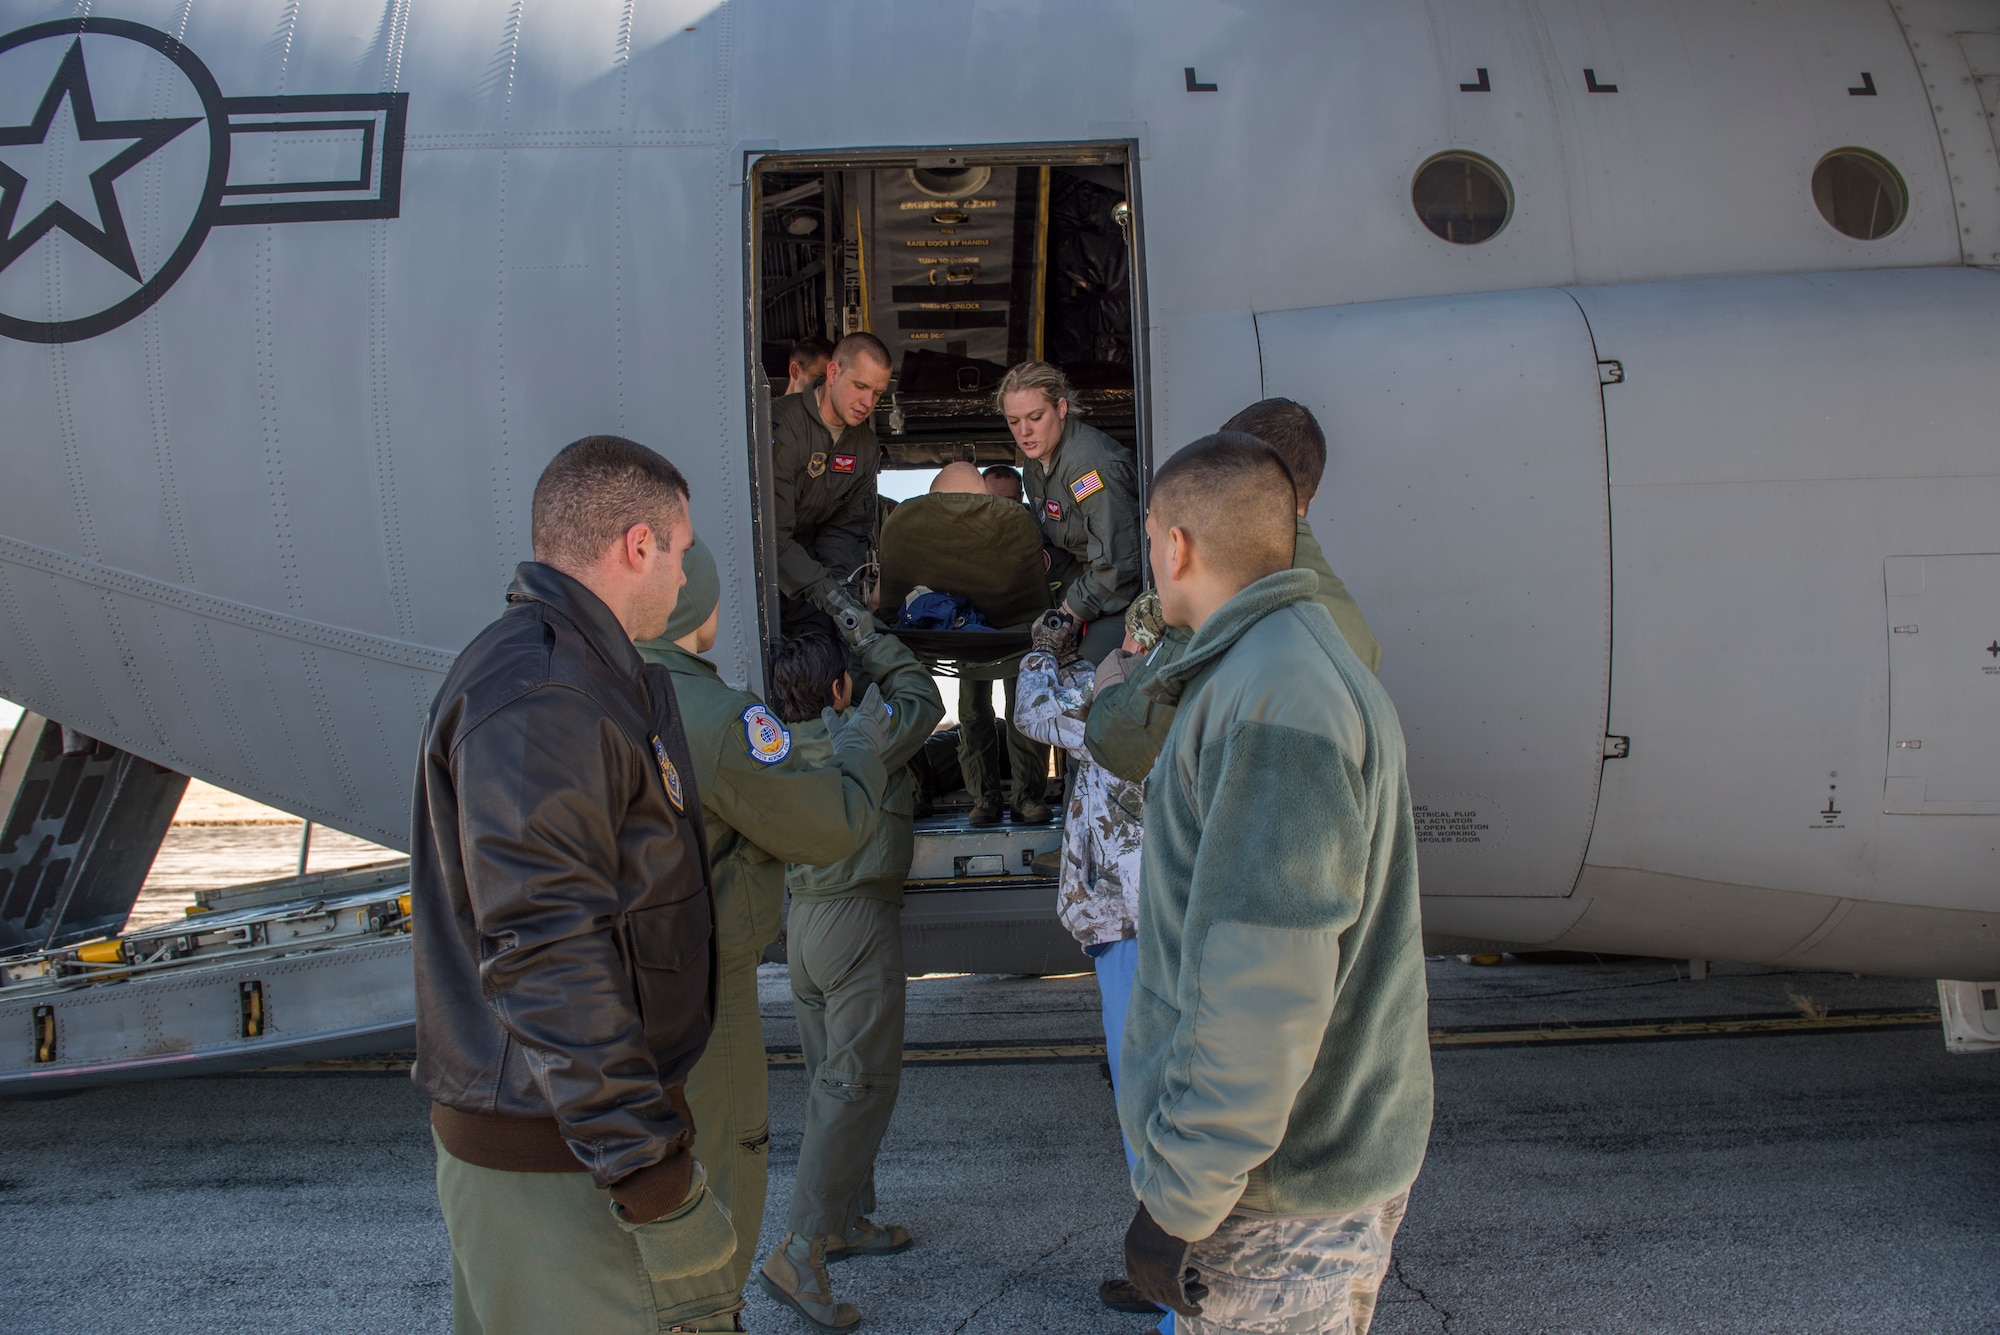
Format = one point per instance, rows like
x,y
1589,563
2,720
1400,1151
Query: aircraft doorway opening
x,y
965,263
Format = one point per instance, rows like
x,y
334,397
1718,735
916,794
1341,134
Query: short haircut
x,y
960,477
593,492
812,348
1291,430
1234,496
860,345
1008,471
1043,377
803,673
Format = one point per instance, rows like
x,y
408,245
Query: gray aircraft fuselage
x,y
1675,507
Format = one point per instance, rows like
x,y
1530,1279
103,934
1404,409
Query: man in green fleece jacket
x,y
1276,1081
1126,727
763,805
844,949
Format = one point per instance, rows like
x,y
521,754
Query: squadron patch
x,y
769,740
1086,486
668,774
816,466
843,463
1052,508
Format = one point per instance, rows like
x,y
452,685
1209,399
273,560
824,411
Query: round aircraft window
x,y
950,182
1860,194
1463,198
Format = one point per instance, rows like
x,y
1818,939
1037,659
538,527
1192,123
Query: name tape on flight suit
x,y
1086,486
843,463
1052,508
769,740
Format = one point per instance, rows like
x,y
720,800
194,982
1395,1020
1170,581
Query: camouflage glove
x,y
866,727
1057,634
1144,621
1157,1264
857,627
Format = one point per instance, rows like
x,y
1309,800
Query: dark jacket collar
x,y
544,584
1251,605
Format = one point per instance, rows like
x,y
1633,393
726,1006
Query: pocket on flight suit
x,y
693,1240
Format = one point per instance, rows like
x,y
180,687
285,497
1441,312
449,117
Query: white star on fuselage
x,y
58,169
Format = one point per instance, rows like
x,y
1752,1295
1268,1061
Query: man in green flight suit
x,y
1126,726
1084,492
824,463
763,806
844,950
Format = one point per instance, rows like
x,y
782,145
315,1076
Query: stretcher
x,y
985,549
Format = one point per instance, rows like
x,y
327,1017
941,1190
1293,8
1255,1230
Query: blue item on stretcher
x,y
940,611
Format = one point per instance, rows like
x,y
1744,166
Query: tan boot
x,y
865,1237
795,1275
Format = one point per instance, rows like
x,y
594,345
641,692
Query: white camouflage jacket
x,y
1098,897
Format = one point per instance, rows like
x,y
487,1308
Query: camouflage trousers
x,y
1294,1274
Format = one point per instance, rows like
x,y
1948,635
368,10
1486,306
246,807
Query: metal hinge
x,y
1617,748
1611,373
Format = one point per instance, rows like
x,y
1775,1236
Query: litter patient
x,y
986,534
960,478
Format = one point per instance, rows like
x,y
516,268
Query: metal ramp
x,y
279,971
85,820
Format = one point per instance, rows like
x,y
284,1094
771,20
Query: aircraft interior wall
x,y
964,269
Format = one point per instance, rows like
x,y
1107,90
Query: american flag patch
x,y
1086,486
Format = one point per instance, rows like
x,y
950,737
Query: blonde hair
x,y
1043,377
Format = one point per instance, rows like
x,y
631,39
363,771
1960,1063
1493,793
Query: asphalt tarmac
x,y
1822,1181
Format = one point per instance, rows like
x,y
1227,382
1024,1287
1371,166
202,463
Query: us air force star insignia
x,y
668,774
816,465
50,157
124,113
769,741
1086,486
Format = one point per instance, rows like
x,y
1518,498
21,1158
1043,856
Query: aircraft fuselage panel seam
x,y
401,653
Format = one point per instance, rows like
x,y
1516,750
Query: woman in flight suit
x,y
1083,489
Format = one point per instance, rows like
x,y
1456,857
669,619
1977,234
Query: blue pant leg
x,y
1116,968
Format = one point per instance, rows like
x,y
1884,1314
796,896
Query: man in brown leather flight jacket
x,y
564,930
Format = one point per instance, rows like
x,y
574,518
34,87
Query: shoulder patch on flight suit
x,y
769,740
816,465
1086,486
668,774
1052,508
843,463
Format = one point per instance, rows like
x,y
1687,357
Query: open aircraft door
x,y
1466,435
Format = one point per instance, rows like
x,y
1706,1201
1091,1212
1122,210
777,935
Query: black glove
x,y
1057,633
1157,1264
866,727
